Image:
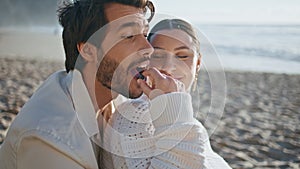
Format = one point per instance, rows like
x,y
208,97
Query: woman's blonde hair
x,y
169,24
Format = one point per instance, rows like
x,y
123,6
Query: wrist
x,y
171,108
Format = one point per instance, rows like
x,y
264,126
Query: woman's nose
x,y
169,64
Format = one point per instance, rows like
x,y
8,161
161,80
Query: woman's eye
x,y
182,57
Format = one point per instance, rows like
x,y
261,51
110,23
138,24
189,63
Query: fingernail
x,y
139,81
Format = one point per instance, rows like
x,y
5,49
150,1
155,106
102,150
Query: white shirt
x,y
160,133
54,128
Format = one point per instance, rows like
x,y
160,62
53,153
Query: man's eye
x,y
145,35
157,56
128,36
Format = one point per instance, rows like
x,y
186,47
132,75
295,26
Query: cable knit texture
x,y
160,133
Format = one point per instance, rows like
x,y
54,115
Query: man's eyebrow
x,y
160,48
132,24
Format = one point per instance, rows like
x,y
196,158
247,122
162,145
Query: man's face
x,y
125,48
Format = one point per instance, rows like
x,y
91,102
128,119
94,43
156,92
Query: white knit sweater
x,y
160,133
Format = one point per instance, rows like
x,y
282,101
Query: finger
x,y
146,89
154,74
149,92
170,84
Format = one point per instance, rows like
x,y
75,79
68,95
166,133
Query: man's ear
x,y
88,51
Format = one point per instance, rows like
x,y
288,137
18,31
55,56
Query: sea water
x,y
263,48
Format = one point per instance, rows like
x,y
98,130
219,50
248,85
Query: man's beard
x,y
112,76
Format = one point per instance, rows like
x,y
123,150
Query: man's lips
x,y
137,70
143,62
137,73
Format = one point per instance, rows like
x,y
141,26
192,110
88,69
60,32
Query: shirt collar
x,y
82,102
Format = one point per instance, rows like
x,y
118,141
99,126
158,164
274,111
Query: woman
x,y
157,130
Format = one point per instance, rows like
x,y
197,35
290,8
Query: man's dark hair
x,y
80,19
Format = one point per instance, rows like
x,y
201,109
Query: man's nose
x,y
146,48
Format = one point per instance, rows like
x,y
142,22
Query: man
x,y
57,127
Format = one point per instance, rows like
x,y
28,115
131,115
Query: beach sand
x,y
259,127
260,124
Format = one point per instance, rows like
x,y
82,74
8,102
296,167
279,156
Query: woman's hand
x,y
159,83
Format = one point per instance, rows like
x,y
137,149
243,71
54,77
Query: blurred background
x,y
27,13
255,35
30,29
257,42
248,35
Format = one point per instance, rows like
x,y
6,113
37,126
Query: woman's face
x,y
175,55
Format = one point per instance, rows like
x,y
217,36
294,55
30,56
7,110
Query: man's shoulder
x,y
48,110
50,101
64,137
61,130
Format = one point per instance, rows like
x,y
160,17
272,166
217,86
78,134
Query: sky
x,y
233,11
